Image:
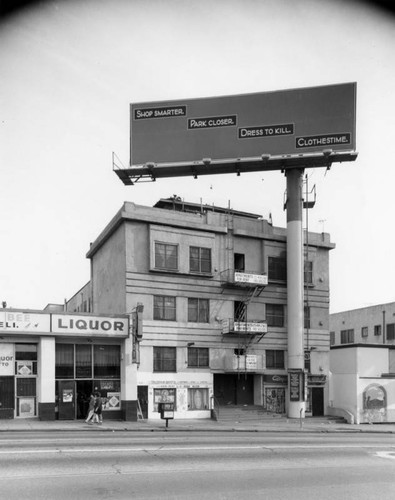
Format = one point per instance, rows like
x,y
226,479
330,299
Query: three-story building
x,y
209,286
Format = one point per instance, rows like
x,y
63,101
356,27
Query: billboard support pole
x,y
296,396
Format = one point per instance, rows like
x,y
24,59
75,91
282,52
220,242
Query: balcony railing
x,y
243,278
232,327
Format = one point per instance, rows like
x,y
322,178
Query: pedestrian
x,y
91,409
98,408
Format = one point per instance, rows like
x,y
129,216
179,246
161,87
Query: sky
x,y
70,69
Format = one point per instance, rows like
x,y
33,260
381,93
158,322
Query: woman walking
x,y
91,409
98,408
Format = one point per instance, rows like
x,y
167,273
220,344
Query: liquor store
x,y
51,363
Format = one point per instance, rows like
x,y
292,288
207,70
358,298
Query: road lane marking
x,y
386,454
163,448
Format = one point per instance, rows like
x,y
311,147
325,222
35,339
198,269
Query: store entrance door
x,y
66,400
317,401
7,397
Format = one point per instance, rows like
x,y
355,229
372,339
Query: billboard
x,y
296,122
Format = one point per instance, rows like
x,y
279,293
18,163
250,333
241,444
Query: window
x,y
107,361
277,269
197,399
306,317
347,337
198,357
275,314
240,310
377,329
198,310
164,308
64,364
239,262
391,331
26,352
200,259
274,359
25,387
165,359
166,256
83,361
308,272
164,396
26,359
332,338
364,331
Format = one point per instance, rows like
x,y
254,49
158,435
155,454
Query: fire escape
x,y
246,286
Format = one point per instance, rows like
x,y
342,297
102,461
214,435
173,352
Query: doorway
x,y
84,390
317,401
7,399
234,389
142,396
73,398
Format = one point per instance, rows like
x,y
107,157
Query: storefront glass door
x,y
66,400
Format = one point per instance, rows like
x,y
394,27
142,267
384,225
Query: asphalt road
x,y
197,465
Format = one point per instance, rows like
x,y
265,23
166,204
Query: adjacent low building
x,y
362,384
362,361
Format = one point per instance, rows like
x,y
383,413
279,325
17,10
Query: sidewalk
x,y
265,425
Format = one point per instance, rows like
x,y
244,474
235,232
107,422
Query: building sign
x,y
7,359
255,279
251,362
286,122
317,380
244,327
89,325
250,327
20,321
296,385
275,379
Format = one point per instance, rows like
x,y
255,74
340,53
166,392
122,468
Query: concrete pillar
x,y
296,403
128,382
46,378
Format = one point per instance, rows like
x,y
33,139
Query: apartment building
x,y
208,286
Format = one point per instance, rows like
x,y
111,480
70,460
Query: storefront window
x,y
26,359
83,361
164,396
110,391
107,361
26,352
64,367
197,399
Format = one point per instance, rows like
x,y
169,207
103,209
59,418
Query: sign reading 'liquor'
x,y
287,122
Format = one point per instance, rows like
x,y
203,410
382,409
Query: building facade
x,y
209,287
366,325
51,362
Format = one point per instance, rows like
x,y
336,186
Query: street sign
x,y
286,122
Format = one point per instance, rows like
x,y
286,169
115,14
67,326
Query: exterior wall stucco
x,y
108,275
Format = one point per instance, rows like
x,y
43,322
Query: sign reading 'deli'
x,y
286,122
